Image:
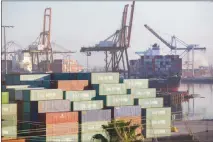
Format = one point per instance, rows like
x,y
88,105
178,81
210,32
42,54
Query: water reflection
x,y
199,105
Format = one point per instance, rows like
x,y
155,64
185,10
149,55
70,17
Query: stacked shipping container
x,y
76,105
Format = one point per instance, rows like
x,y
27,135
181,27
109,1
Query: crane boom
x,y
130,23
159,37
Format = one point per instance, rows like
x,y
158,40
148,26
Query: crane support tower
x,y
116,52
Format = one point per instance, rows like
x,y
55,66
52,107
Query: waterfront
x,y
202,105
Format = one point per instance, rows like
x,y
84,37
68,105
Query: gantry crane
x,y
173,47
121,42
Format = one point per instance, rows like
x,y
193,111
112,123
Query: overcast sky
x,y
77,24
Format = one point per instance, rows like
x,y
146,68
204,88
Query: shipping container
x,y
8,109
44,94
151,113
136,83
7,123
84,76
64,76
85,95
12,117
158,122
105,78
58,117
119,100
16,86
95,115
143,93
13,140
126,111
63,138
10,131
88,127
153,133
149,102
70,85
87,105
87,137
4,97
110,89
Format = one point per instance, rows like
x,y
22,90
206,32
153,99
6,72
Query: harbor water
x,y
200,107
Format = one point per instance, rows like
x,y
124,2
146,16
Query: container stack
x,y
146,98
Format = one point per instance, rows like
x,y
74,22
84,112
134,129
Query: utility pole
x,y
5,47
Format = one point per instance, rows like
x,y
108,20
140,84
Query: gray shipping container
x,y
87,105
95,115
119,100
126,111
53,106
153,133
136,83
8,109
104,78
93,126
85,95
44,94
151,113
143,93
149,102
112,89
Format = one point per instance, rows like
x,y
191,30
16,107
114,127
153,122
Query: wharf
x,y
207,80
201,129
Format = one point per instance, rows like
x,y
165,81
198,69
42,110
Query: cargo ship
x,y
163,71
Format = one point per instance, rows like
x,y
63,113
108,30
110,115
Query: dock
x,y
207,80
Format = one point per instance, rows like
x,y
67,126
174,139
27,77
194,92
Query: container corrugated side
x,y
149,102
10,131
13,140
153,133
12,117
93,126
119,100
87,137
8,109
112,89
7,123
63,138
45,94
95,115
32,77
16,86
143,93
51,106
85,95
104,78
136,83
159,122
126,111
58,117
4,97
87,105
150,113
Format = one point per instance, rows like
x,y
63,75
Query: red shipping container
x,y
70,85
135,120
62,129
12,140
58,117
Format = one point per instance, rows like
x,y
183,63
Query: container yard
x,y
47,96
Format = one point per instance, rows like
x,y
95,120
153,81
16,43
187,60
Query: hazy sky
x,y
77,24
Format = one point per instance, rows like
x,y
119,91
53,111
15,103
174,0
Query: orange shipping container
x,y
135,120
62,129
58,117
70,85
13,140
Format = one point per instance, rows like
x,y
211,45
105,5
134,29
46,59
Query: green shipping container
x,y
149,102
104,78
8,123
136,83
112,89
88,137
92,126
143,93
12,117
119,100
153,133
44,94
8,109
10,131
87,105
151,113
79,95
4,97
